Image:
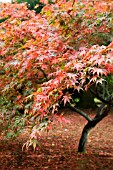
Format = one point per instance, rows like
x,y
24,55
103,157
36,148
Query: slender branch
x,y
80,112
104,108
39,81
100,98
73,3
43,72
105,111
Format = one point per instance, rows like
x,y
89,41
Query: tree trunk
x,y
103,112
84,136
83,139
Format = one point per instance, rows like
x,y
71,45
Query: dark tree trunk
x,y
103,112
83,139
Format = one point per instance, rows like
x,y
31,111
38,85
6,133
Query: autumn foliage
x,y
67,46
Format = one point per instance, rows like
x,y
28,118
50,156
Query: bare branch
x,y
100,98
43,72
104,108
80,112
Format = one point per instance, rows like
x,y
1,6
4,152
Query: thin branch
x,y
43,72
80,112
104,112
100,98
73,3
103,109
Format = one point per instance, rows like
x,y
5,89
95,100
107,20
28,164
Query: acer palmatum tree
x,y
43,56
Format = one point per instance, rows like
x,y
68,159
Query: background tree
x,y
33,4
45,58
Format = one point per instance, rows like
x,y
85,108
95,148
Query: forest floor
x,y
58,149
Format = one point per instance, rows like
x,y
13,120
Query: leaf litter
x,y
58,148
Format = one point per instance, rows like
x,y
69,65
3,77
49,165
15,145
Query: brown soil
x,y
58,149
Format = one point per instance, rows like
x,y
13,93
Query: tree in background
x,y
45,58
33,4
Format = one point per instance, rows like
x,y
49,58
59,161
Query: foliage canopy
x,y
67,46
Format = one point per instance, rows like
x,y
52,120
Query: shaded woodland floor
x,y
58,149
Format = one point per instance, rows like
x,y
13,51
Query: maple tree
x,y
45,58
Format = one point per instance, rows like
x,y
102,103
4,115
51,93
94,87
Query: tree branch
x,y
100,98
80,112
43,72
104,108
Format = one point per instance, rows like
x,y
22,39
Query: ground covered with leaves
x,y
58,149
